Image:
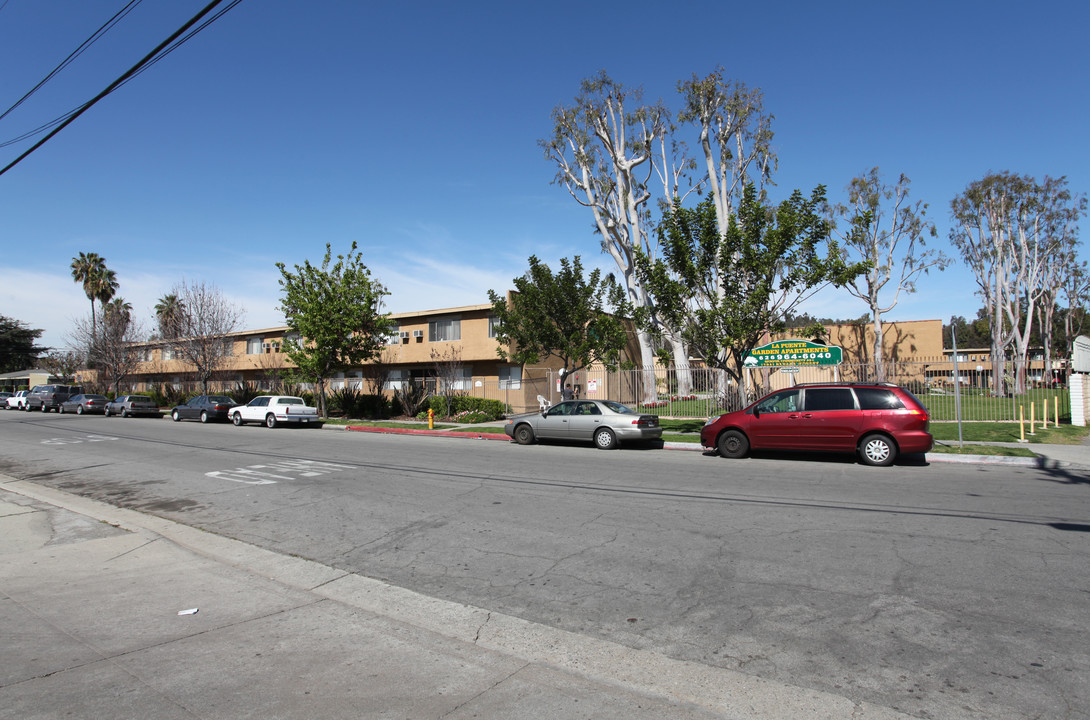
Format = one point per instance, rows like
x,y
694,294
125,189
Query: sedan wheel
x,y
204,416
106,411
877,450
237,419
124,413
605,439
177,416
60,409
79,409
733,444
524,435
270,420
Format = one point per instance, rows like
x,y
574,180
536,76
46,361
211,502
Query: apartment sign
x,y
793,353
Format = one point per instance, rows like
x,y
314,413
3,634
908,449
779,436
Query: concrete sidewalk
x,y
112,613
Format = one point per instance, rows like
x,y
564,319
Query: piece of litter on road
x,y
190,611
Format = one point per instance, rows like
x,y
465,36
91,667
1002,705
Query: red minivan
x,y
878,421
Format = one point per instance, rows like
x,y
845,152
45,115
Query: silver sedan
x,y
603,422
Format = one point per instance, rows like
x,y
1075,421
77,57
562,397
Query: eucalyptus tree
x,y
888,233
336,311
1008,228
603,148
561,315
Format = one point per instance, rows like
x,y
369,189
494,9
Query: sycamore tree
x,y
888,232
203,321
335,309
113,343
726,290
560,315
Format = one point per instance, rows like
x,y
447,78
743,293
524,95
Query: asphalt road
x,y
941,591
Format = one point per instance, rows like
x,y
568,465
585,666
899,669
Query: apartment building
x,y
449,347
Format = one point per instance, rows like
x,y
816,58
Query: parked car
x,y
50,397
603,422
131,405
81,404
17,401
274,410
4,396
877,421
206,408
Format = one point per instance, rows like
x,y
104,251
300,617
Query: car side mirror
x,y
756,412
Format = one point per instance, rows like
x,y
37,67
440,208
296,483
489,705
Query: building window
x,y
393,381
168,354
510,377
253,346
493,321
444,330
394,338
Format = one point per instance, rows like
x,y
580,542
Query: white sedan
x,y
274,410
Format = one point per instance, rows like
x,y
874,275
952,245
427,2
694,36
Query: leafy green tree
x,y
336,310
17,345
747,280
562,315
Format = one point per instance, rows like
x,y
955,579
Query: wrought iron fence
x,y
705,392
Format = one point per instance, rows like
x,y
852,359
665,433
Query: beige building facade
x,y
453,348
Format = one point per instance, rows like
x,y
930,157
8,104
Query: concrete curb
x,y
475,435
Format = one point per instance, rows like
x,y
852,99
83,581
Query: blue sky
x,y
412,128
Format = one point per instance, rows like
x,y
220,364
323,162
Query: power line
x,y
77,52
132,72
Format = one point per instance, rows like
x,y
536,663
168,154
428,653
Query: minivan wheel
x,y
733,444
877,450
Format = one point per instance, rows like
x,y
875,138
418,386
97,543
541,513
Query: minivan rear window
x,y
878,399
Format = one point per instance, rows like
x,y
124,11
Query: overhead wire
x,y
106,27
162,50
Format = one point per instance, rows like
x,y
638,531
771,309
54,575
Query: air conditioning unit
x,y
270,347
404,336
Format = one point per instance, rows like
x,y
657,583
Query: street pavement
x,y
107,612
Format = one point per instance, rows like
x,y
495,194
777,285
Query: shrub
x,y
489,409
355,404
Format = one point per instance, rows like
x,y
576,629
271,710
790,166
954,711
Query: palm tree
x,y
86,269
168,312
105,285
118,309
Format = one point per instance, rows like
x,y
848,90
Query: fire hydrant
x,y
431,419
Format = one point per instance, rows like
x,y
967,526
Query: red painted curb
x,y
469,435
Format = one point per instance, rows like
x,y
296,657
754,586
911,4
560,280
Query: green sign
x,y
793,353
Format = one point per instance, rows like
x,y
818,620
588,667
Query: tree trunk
x,y
682,371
